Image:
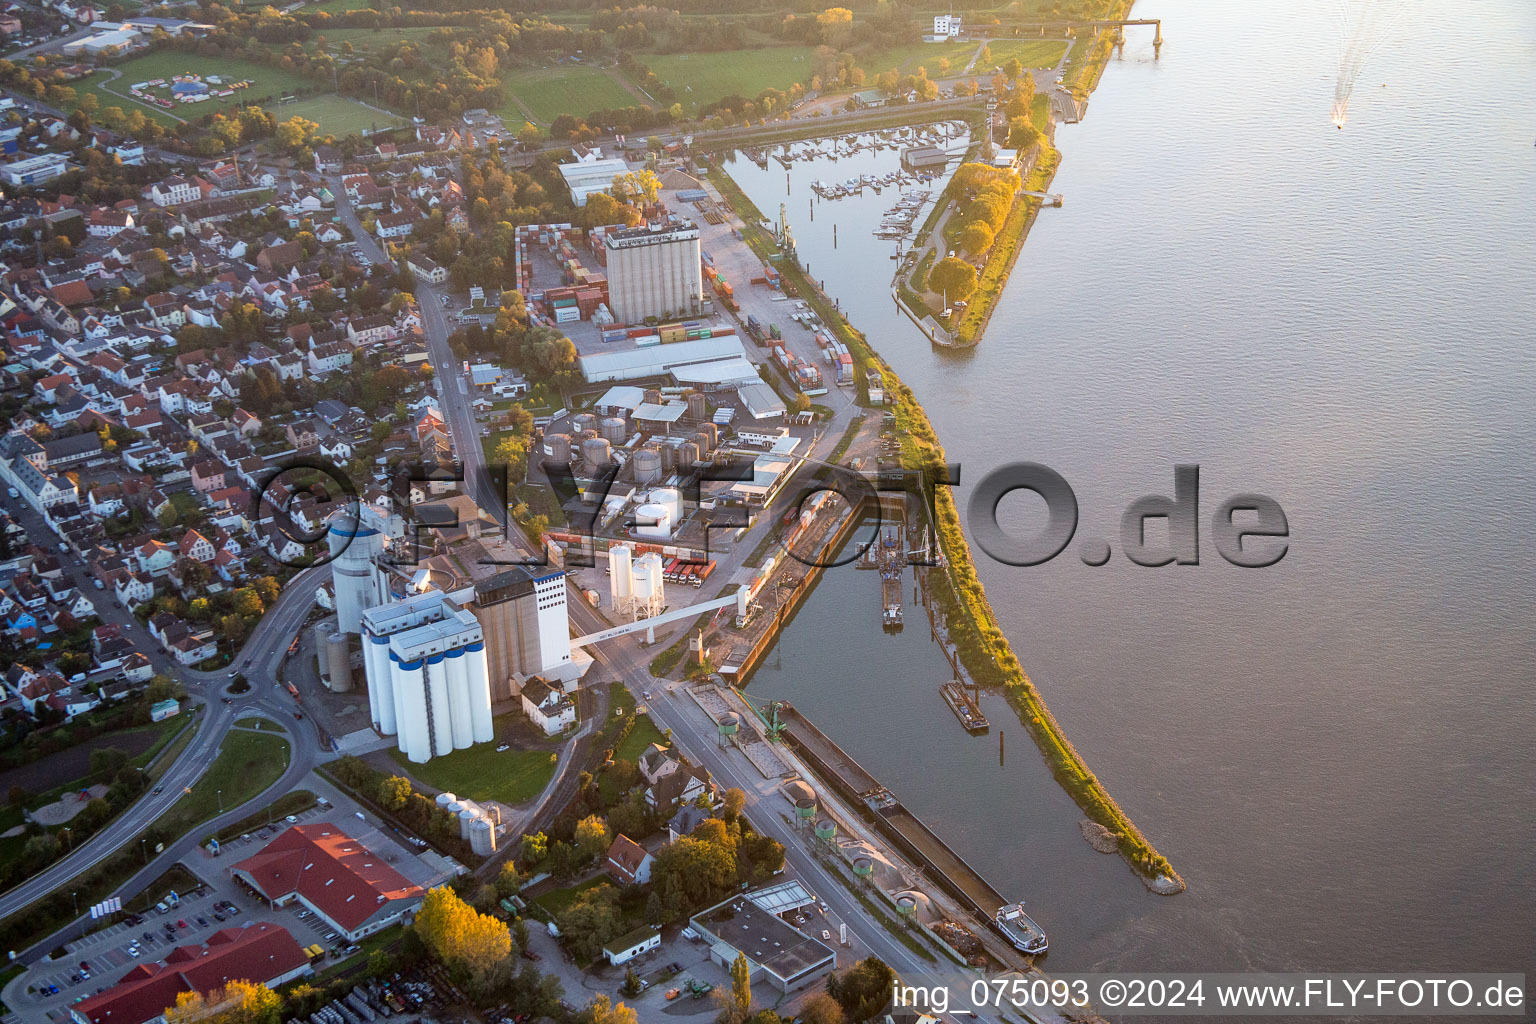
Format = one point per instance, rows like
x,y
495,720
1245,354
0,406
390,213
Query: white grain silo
x,y
411,706
440,713
620,578
356,540
648,597
479,692
467,817
444,799
653,522
458,699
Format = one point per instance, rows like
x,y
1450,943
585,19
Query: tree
x,y
459,935
394,792
631,986
602,1010
238,1002
296,133
534,848
735,800
593,837
953,277
1013,68
741,987
864,989
975,238
592,919
107,762
821,1008
512,452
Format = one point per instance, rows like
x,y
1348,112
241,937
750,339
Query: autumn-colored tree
x,y
593,836
735,800
459,935
592,919
602,1010
822,1009
952,277
976,238
741,986
238,1002
394,792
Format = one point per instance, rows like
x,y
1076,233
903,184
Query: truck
x,y
703,573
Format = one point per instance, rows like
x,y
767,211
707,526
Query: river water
x,y
1336,751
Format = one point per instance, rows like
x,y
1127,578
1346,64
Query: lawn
x,y
370,38
268,83
259,724
568,89
907,59
337,115
641,736
1032,53
336,6
482,772
558,901
248,763
703,78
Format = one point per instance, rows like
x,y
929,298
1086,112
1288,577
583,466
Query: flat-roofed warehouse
x,y
691,357
654,270
777,953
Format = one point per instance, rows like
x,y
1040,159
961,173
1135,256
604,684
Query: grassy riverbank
x,y
982,646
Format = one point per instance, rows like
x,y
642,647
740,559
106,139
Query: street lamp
x,y
221,801
76,897
145,848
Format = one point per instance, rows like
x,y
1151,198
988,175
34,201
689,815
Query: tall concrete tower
x,y
357,539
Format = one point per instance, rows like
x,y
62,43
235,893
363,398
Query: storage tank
x,y
687,455
596,452
559,446
906,906
444,799
652,396
728,726
583,422
712,432
653,522
668,458
338,661
482,838
864,867
612,429
467,818
455,807
670,497
698,407
620,576
826,829
705,444
803,797
647,463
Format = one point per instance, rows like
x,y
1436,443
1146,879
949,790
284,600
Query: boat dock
x,y
897,824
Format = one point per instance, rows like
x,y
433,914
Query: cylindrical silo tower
x,y
479,692
804,798
864,867
906,906
668,458
381,683
582,422
612,429
559,446
620,577
458,699
338,662
647,464
482,838
712,432
826,830
687,455
705,443
444,799
467,817
438,706
698,407
411,708
355,542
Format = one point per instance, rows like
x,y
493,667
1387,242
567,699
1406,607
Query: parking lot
x,y
108,954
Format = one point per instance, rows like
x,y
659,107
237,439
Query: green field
x,y
368,38
1032,53
641,736
703,78
267,84
337,115
569,89
336,6
482,772
907,59
248,763
558,901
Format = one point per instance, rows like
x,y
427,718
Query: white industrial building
x,y
428,682
591,173
654,270
684,358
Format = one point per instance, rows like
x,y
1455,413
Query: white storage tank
x,y
653,522
597,451
612,429
444,799
467,817
672,499
647,463
620,576
582,422
559,447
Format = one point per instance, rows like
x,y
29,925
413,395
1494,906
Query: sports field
x,y
703,78
1032,53
337,115
267,84
547,93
